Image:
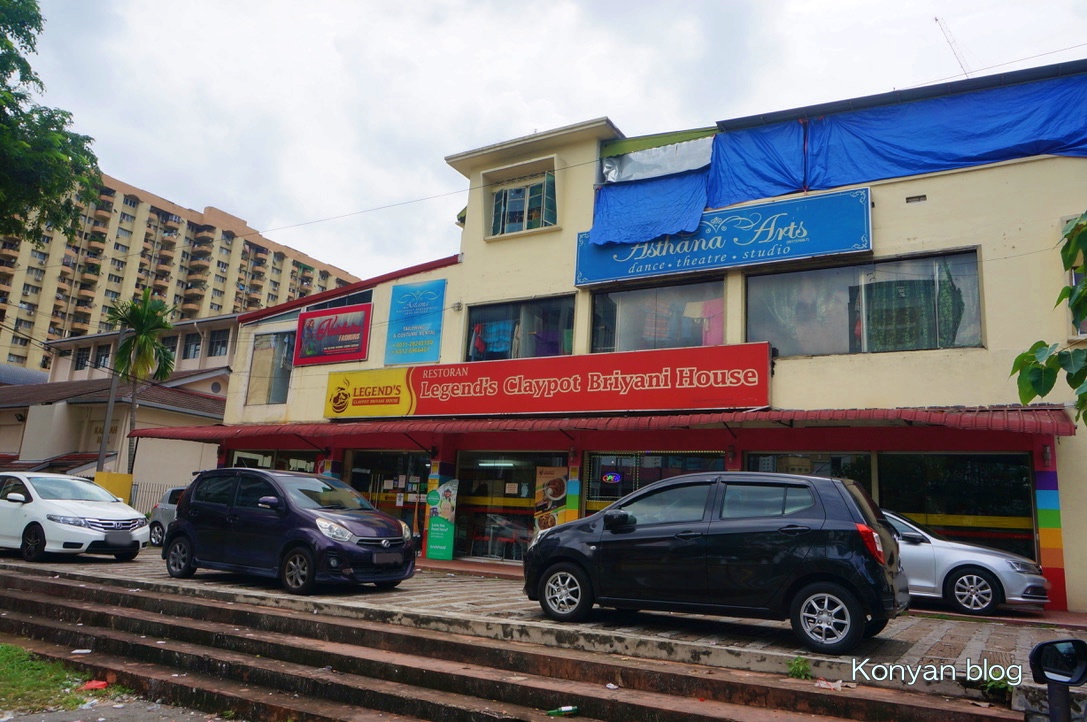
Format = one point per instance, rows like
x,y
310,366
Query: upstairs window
x,y
525,206
82,356
665,317
542,327
218,341
909,305
192,346
270,369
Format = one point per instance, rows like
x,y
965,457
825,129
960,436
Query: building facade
x,y
206,263
759,295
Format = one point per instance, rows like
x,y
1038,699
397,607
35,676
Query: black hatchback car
x,y
813,550
304,529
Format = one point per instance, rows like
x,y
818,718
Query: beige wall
x,y
52,430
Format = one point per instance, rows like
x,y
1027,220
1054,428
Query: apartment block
x,y
205,264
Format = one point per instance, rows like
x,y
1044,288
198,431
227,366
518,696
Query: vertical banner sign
x,y
415,323
333,335
440,530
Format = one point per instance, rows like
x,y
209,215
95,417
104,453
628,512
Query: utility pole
x,y
103,446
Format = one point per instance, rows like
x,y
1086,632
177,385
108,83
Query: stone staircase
x,y
269,664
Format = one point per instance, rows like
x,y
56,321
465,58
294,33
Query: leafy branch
x,y
1040,367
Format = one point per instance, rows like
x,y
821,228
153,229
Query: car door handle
x,y
688,535
794,529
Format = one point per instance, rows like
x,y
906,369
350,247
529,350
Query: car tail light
x,y
872,542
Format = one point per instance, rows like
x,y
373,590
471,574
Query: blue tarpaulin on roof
x,y
635,211
756,163
924,136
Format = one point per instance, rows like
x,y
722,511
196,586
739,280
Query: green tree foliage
x,y
1041,366
142,356
46,170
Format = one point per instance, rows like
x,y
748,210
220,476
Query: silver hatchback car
x,y
972,579
163,513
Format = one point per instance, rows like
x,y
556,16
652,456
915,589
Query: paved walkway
x,y
486,599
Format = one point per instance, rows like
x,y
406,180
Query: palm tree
x,y
141,355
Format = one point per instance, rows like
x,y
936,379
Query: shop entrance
x,y
496,500
394,481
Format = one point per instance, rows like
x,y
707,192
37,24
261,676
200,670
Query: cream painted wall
x,y
52,430
170,462
1071,458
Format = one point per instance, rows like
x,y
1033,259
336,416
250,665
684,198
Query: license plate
x,y
118,538
388,558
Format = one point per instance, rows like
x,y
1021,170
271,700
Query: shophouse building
x,y
205,264
838,289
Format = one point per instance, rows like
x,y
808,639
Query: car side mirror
x,y
268,502
16,497
616,519
1063,662
914,539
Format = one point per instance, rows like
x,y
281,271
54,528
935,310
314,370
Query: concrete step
x,y
395,669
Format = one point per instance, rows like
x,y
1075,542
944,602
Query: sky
x,y
325,124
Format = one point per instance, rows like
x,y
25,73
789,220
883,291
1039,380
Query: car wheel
x,y
157,534
565,593
874,626
125,556
33,545
973,591
827,617
388,585
179,561
297,572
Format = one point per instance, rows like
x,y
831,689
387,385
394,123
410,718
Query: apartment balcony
x,y
307,274
195,277
60,300
89,276
196,292
160,283
167,243
199,264
81,324
64,285
55,333
87,293
190,307
257,282
9,251
103,212
164,268
204,235
96,244
66,270
171,223
167,254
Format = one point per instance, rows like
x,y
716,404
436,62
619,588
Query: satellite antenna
x,y
954,46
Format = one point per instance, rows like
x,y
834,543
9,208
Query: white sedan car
x,y
54,513
972,579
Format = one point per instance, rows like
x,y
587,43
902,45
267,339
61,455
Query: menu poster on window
x,y
333,335
550,496
415,323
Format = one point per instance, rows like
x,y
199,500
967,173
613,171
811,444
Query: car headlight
x,y
1024,567
334,531
69,520
405,531
141,523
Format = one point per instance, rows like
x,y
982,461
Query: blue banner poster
x,y
415,323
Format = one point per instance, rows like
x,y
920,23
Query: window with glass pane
x,y
218,341
543,327
613,476
101,357
841,465
524,207
270,368
668,317
982,499
908,305
192,346
82,356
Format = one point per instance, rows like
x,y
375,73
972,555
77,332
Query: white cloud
x,y
286,113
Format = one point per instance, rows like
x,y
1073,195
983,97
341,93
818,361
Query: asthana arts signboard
x,y
333,335
818,225
708,377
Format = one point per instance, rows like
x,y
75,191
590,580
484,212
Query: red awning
x,y
1045,420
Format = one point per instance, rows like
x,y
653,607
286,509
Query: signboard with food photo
x,y
551,491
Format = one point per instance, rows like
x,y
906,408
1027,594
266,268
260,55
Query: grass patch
x,y
29,684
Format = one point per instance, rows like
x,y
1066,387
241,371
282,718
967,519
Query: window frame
x,y
488,344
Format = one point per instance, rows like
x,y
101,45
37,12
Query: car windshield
x,y
321,492
69,489
909,526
